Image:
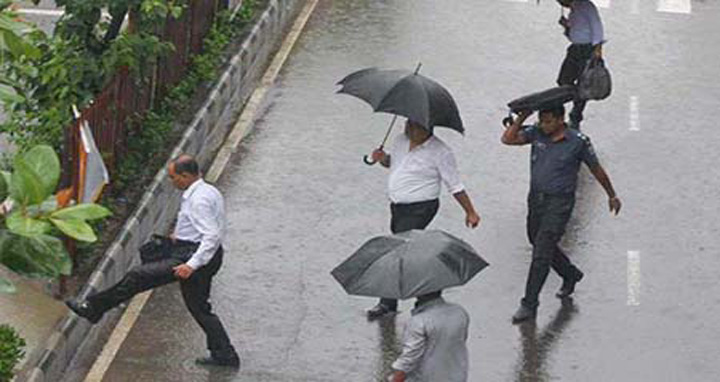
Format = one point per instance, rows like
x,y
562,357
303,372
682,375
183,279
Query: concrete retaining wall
x,y
159,205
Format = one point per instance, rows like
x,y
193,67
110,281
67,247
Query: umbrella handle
x,y
367,159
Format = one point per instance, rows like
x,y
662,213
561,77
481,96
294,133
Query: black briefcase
x,y
157,248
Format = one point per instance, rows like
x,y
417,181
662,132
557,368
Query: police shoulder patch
x,y
582,136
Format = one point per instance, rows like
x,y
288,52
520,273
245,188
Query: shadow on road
x,y
536,346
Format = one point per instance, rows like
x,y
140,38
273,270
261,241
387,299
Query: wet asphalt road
x,y
300,200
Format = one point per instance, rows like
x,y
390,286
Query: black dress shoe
x,y
568,286
524,313
84,310
233,361
379,310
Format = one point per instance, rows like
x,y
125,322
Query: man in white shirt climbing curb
x,y
419,162
193,256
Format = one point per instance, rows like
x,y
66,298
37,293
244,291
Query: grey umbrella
x,y
406,93
408,265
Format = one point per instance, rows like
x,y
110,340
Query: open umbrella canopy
x,y
408,264
405,93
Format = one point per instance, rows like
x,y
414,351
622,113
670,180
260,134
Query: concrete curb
x,y
157,208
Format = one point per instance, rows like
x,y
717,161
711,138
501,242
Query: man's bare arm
x,y
602,177
512,135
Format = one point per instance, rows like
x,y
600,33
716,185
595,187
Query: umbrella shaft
x,y
392,123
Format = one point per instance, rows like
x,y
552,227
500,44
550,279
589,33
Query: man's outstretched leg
x,y
139,279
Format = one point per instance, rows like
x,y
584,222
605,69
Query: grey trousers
x,y
547,217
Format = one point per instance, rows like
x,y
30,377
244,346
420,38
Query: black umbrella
x,y
406,93
408,264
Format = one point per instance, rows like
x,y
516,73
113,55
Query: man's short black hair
x,y
555,111
185,164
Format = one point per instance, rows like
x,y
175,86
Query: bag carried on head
x,y
595,82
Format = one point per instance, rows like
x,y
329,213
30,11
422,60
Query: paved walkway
x,y
30,310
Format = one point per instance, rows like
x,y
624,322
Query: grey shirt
x,y
434,347
554,165
585,24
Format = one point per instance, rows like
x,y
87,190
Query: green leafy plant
x,y
11,352
29,232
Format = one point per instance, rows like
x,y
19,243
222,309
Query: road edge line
x,y
251,108
129,318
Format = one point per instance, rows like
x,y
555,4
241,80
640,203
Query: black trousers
x,y
406,217
195,292
548,215
576,59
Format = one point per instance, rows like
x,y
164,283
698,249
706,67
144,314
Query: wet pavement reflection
x,y
390,346
536,346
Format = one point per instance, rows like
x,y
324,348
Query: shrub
x,y
11,352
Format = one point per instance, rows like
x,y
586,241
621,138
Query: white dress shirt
x,y
201,220
585,24
415,176
434,344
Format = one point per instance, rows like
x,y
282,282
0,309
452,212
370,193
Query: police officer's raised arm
x,y
513,135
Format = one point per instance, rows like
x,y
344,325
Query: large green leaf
x,y
43,160
85,211
6,286
39,256
76,229
26,226
26,187
3,189
8,94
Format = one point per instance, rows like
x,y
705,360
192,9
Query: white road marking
x,y
51,12
633,278
602,3
635,7
634,114
674,6
40,12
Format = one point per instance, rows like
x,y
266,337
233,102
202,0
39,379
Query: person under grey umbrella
x,y
434,343
584,29
193,256
556,154
419,163
419,263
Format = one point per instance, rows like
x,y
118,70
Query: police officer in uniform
x,y
556,154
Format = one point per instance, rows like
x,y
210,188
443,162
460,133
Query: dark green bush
x,y
11,352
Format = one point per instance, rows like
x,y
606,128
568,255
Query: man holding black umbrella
x,y
555,161
584,29
419,162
